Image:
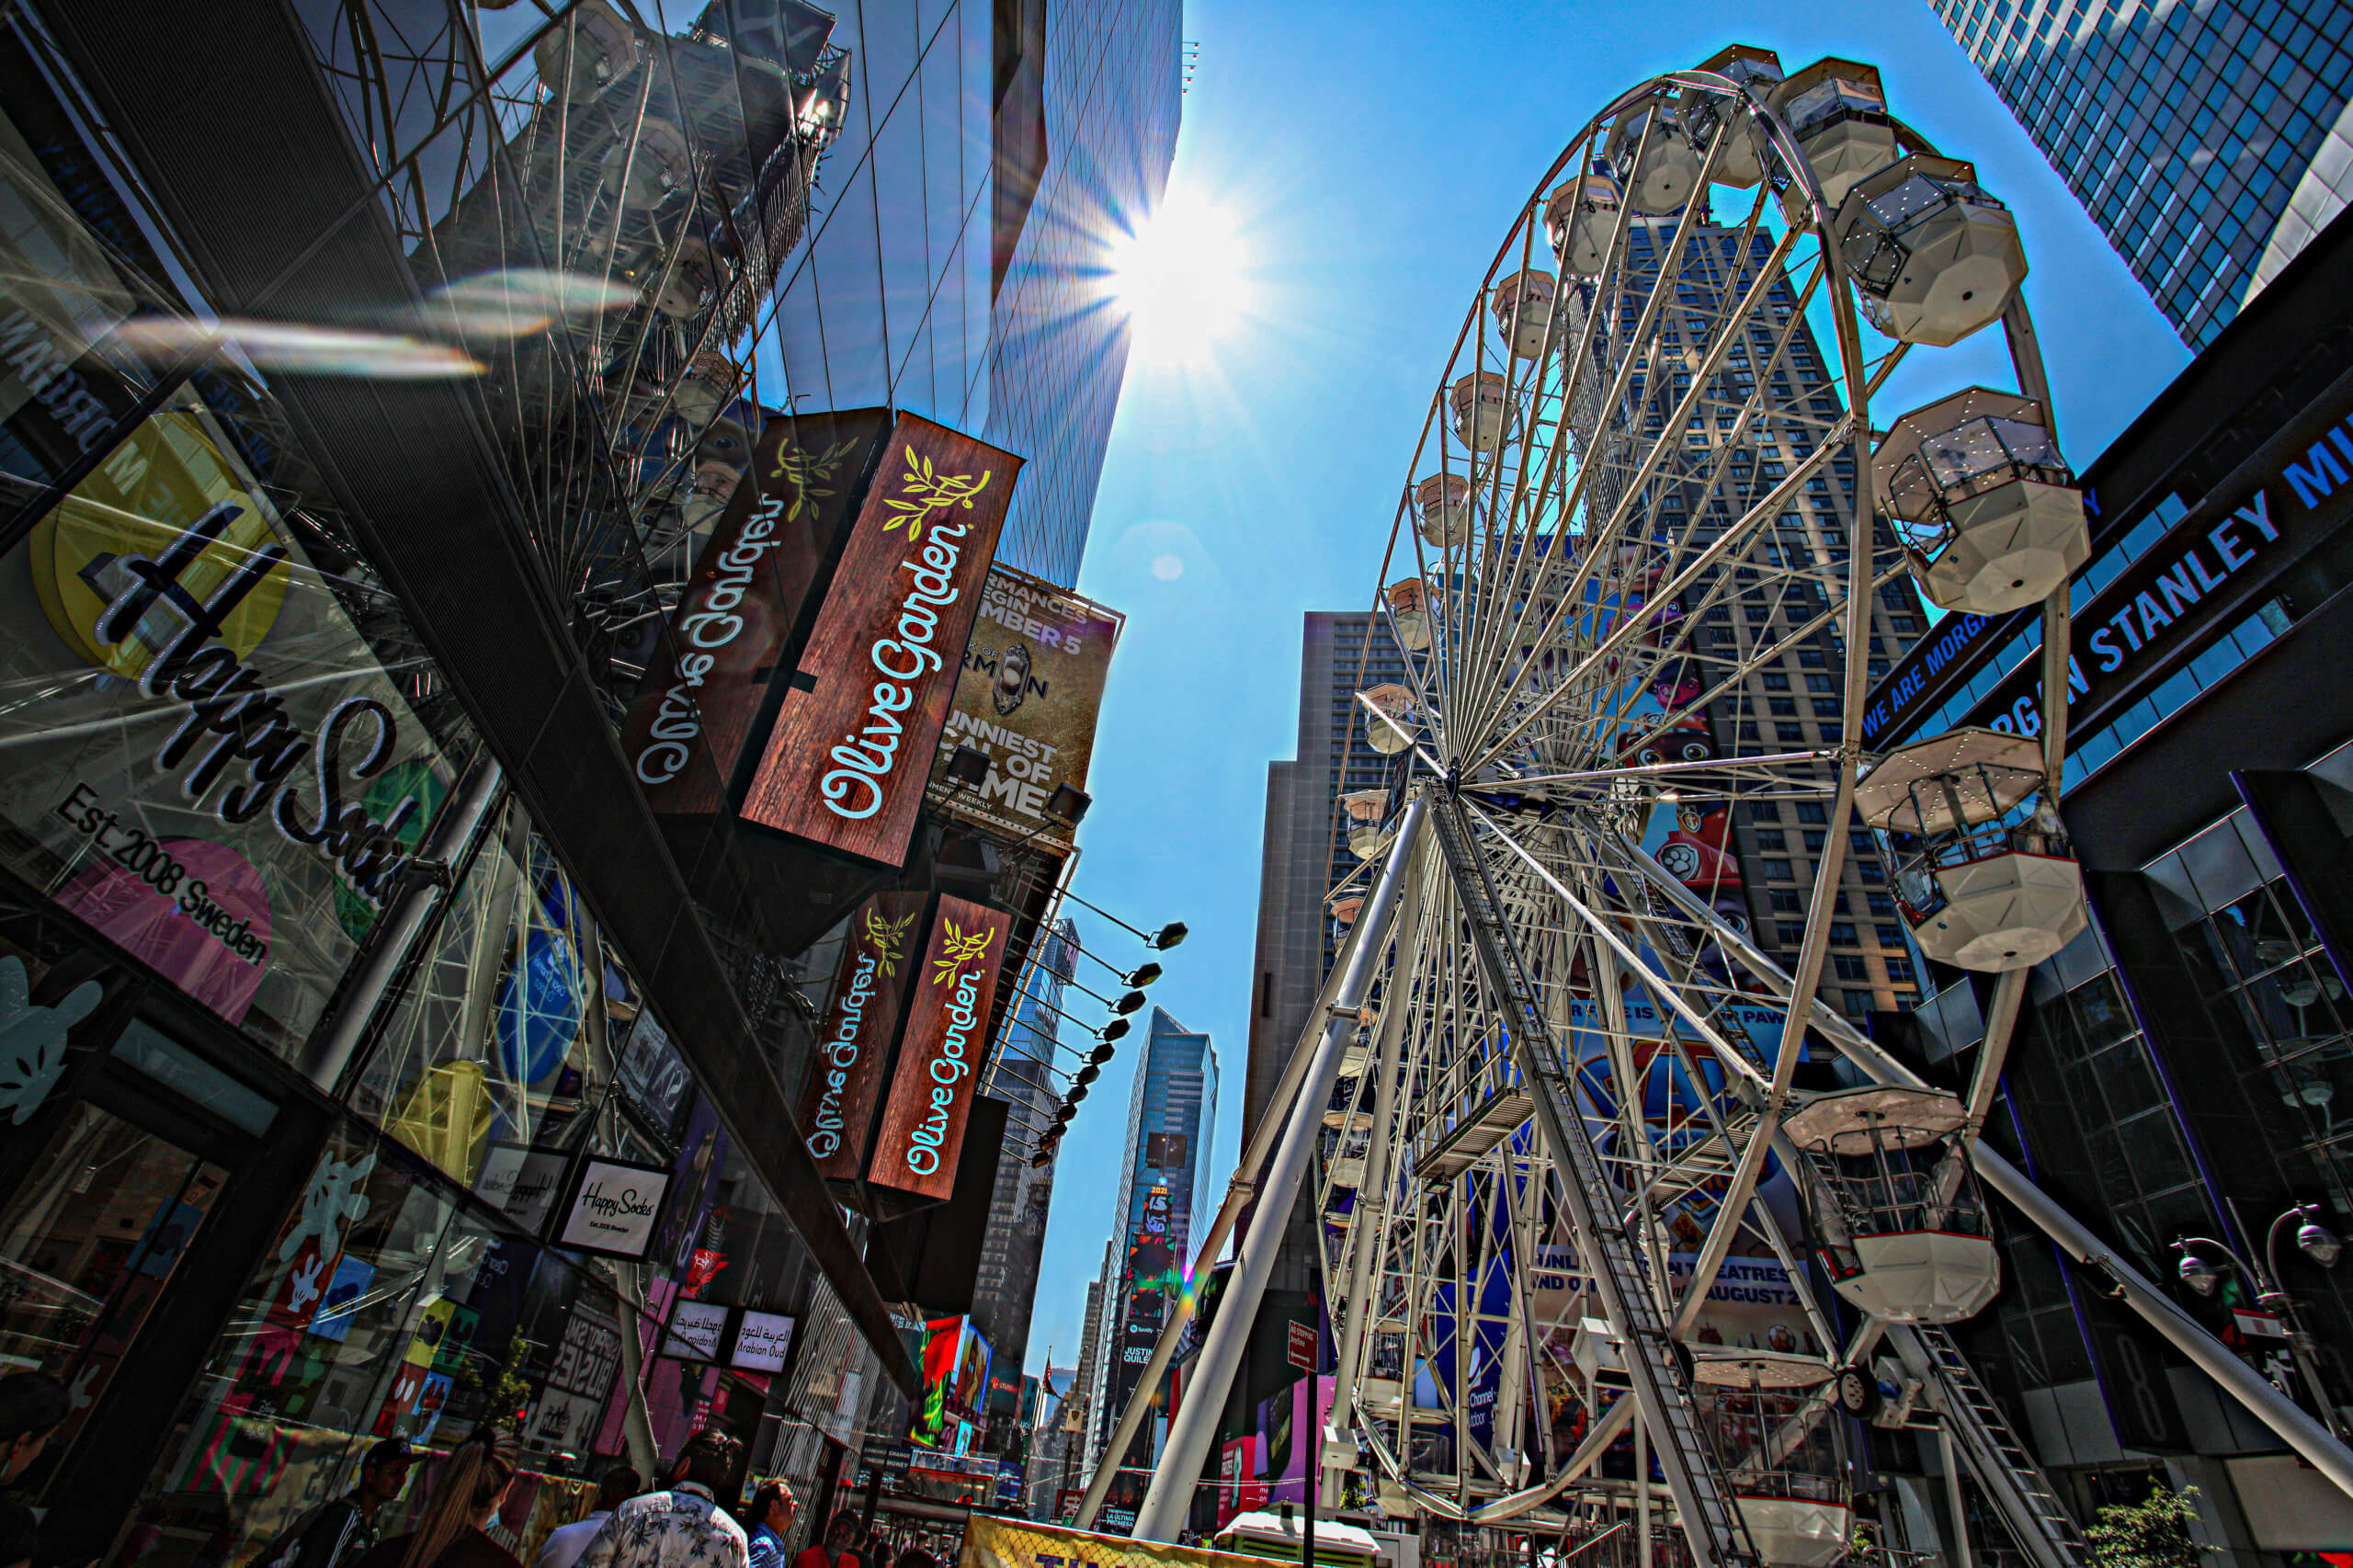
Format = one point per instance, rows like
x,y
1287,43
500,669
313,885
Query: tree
x,y
2152,1533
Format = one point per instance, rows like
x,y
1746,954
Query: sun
x,y
1180,278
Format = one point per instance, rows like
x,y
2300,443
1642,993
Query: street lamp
x,y
2318,1243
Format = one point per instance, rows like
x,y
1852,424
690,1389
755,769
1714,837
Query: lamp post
x,y
2318,1243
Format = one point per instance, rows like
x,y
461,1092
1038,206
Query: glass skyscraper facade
x,y
2204,137
957,259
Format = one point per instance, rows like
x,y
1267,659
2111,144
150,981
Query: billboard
x,y
955,1366
697,709
941,1051
1030,691
846,766
854,1047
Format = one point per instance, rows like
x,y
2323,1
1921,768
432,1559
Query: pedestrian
x,y
341,1529
467,1489
916,1557
566,1543
840,1547
33,1406
685,1527
768,1519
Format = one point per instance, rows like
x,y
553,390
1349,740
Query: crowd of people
x,y
681,1525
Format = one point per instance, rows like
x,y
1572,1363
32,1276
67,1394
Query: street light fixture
x,y
1142,975
2318,1243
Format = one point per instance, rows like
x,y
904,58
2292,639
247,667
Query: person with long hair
x,y
467,1489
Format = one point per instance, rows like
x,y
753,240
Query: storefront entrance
x,y
127,1148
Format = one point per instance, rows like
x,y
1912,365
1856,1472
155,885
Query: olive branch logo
x,y
813,476
885,936
960,948
924,491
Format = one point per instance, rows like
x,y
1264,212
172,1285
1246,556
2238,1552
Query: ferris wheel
x,y
1549,1106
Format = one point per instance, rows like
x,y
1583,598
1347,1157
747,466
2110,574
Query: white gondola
x,y
1389,726
1362,811
1580,217
1934,258
642,171
1990,514
1767,1415
1983,871
1409,612
1902,1218
1480,400
1444,502
593,48
1838,111
1654,156
1278,1537
1739,162
694,279
1524,311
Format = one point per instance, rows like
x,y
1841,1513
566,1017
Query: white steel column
x,y
1170,1498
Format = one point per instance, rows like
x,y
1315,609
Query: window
x,y
1882,902
1828,684
1812,810
1850,966
1813,839
1762,811
1859,1002
1827,709
1787,903
1775,680
1783,706
1843,931
1779,871
1790,734
1889,937
1772,838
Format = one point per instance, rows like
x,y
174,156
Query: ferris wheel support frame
x,y
1170,1496
2275,1410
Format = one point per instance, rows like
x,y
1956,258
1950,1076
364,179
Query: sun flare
x,y
1181,278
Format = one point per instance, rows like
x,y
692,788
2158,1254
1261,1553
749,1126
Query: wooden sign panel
x,y
939,1055
853,1051
693,715
852,748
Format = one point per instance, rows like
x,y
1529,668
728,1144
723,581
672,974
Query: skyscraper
x,y
970,289
1106,139
2206,138
1006,1287
1164,1179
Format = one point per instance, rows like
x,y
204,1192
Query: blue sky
x,y
1370,157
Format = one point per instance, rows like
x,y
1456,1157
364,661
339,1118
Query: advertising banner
x,y
921,1131
1031,692
206,760
696,709
1017,1543
854,1048
852,748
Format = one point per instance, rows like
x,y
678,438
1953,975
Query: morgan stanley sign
x,y
852,750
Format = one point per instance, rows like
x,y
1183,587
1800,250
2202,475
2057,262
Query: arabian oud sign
x,y
940,1053
696,712
853,1051
852,748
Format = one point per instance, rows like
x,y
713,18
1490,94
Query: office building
x,y
298,1044
1006,1287
2206,138
2176,1069
1164,1179
1791,698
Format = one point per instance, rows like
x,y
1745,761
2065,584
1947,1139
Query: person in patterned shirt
x,y
685,1527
